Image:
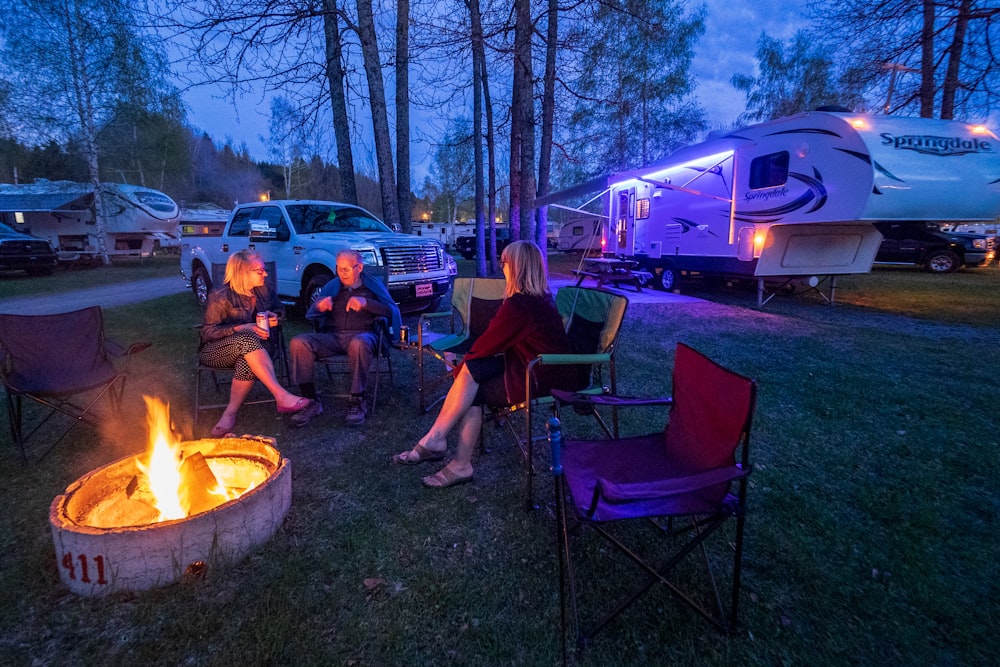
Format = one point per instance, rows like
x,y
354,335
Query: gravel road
x,y
105,296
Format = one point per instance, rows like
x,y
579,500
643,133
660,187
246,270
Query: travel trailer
x,y
140,220
580,235
794,199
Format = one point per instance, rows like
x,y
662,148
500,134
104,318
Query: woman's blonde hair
x,y
527,271
239,266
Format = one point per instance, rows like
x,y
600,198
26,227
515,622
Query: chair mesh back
x,y
592,317
485,299
711,410
56,354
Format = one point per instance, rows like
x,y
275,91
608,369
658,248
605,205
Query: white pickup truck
x,y
299,241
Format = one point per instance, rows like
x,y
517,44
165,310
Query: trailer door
x,y
625,222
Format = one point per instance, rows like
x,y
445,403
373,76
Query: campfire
x,y
147,520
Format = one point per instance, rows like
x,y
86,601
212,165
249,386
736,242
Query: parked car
x,y
466,245
23,252
924,244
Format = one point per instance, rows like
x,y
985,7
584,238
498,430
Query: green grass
x,y
872,532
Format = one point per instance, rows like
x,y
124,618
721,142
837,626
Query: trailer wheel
x,y
670,279
942,261
201,285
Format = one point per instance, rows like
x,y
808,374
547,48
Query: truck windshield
x,y
323,218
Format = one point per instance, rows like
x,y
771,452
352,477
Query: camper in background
x,y
796,198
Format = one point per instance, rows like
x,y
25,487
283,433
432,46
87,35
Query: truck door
x,y
270,235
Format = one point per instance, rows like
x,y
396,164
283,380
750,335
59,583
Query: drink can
x,y
404,334
262,321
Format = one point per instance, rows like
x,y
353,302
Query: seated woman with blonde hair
x,y
492,372
230,337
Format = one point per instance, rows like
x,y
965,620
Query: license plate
x,y
425,289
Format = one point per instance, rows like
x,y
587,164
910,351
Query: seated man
x,y
344,315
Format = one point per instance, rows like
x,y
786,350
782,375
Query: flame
x,y
163,471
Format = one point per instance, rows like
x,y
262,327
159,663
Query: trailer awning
x,y
575,192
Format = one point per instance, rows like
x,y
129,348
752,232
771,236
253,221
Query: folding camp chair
x,y
474,302
593,319
63,362
338,364
221,379
693,474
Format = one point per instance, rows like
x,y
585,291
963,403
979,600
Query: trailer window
x,y
768,171
642,208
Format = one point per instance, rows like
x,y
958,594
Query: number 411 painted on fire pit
x,y
67,562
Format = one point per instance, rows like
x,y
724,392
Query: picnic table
x,y
611,270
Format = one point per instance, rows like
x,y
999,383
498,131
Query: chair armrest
x,y
572,359
119,350
610,400
664,488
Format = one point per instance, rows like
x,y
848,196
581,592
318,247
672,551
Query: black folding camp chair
x,y
62,362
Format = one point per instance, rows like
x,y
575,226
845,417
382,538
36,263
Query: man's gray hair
x,y
352,253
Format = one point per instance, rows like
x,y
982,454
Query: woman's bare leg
x,y
262,366
456,404
238,392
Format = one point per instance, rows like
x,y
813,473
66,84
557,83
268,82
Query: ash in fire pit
x,y
134,525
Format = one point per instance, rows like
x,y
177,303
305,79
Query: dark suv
x,y
28,253
466,245
923,244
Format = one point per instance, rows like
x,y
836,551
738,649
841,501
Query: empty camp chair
x,y
693,475
382,362
62,362
474,302
593,319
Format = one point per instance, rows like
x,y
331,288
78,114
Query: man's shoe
x,y
356,411
302,417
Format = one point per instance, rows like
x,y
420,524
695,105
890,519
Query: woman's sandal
x,y
423,456
444,478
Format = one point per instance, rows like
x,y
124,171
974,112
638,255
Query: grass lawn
x,y
872,535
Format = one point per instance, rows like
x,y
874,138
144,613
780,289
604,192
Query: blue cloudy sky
x,y
726,48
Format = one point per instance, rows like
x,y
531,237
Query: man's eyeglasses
x,y
345,269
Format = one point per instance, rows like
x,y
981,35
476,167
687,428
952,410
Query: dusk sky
x,y
726,48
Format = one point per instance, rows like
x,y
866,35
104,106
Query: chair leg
x,y
15,408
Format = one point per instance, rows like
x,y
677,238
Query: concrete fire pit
x,y
107,537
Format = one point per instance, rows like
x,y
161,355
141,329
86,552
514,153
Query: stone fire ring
x,y
100,561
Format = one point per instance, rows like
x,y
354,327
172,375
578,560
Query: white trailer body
x,y
139,219
581,234
796,197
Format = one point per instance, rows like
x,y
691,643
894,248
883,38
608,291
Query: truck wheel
x,y
313,288
942,261
670,278
201,285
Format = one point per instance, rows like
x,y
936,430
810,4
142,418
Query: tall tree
x,y
85,59
634,91
950,47
793,79
522,127
548,120
336,78
379,111
403,194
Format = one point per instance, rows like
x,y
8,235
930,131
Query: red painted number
x,y
69,564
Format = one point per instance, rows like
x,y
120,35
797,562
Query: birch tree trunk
x,y
380,118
